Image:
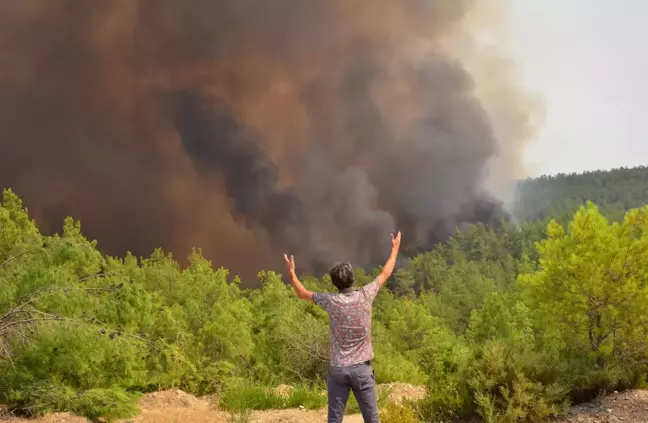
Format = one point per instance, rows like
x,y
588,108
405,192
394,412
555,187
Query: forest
x,y
614,191
507,323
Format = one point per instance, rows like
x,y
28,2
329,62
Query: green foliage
x,y
39,398
505,391
615,191
19,235
506,322
307,397
291,336
249,395
398,413
82,358
592,289
448,399
110,404
503,316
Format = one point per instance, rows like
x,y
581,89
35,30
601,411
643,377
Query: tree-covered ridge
x,y
614,191
506,322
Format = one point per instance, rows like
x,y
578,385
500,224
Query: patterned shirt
x,y
350,324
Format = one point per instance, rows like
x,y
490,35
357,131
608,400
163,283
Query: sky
x,y
588,59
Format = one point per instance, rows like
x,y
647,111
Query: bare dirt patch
x,y
176,406
628,406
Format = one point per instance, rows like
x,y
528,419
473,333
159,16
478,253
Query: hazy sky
x,y
589,61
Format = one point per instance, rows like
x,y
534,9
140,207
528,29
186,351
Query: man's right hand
x,y
290,263
396,240
388,268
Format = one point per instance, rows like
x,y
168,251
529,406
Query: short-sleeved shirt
x,y
350,324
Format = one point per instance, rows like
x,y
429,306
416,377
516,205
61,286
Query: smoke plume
x,y
253,128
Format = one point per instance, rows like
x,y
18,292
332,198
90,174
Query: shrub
x,y
41,398
503,393
248,396
107,403
79,330
398,413
447,400
310,398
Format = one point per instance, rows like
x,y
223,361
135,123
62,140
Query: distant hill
x,y
614,191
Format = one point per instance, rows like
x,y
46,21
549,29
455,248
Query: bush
x,y
310,398
41,398
499,384
249,396
504,393
107,403
447,400
79,357
398,413
494,325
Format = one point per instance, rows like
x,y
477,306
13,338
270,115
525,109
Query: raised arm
x,y
302,293
388,268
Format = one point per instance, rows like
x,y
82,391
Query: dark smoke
x,y
246,128
250,177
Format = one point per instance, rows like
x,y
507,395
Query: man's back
x,y
350,324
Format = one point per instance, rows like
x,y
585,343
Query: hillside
x,y
615,191
506,323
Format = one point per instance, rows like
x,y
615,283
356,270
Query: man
x,y
350,331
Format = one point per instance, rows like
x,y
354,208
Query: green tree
x,y
592,284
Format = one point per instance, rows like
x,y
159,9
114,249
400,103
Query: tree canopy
x,y
614,191
509,322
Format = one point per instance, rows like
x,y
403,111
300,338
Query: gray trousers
x,y
360,379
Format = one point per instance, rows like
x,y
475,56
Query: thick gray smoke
x,y
246,128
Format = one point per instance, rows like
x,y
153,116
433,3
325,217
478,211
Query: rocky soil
x,y
627,407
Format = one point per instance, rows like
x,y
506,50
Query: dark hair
x,y
342,275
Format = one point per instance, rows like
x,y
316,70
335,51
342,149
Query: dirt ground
x,y
172,406
175,406
628,406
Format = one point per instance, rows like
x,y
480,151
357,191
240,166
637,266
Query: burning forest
x,y
250,128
